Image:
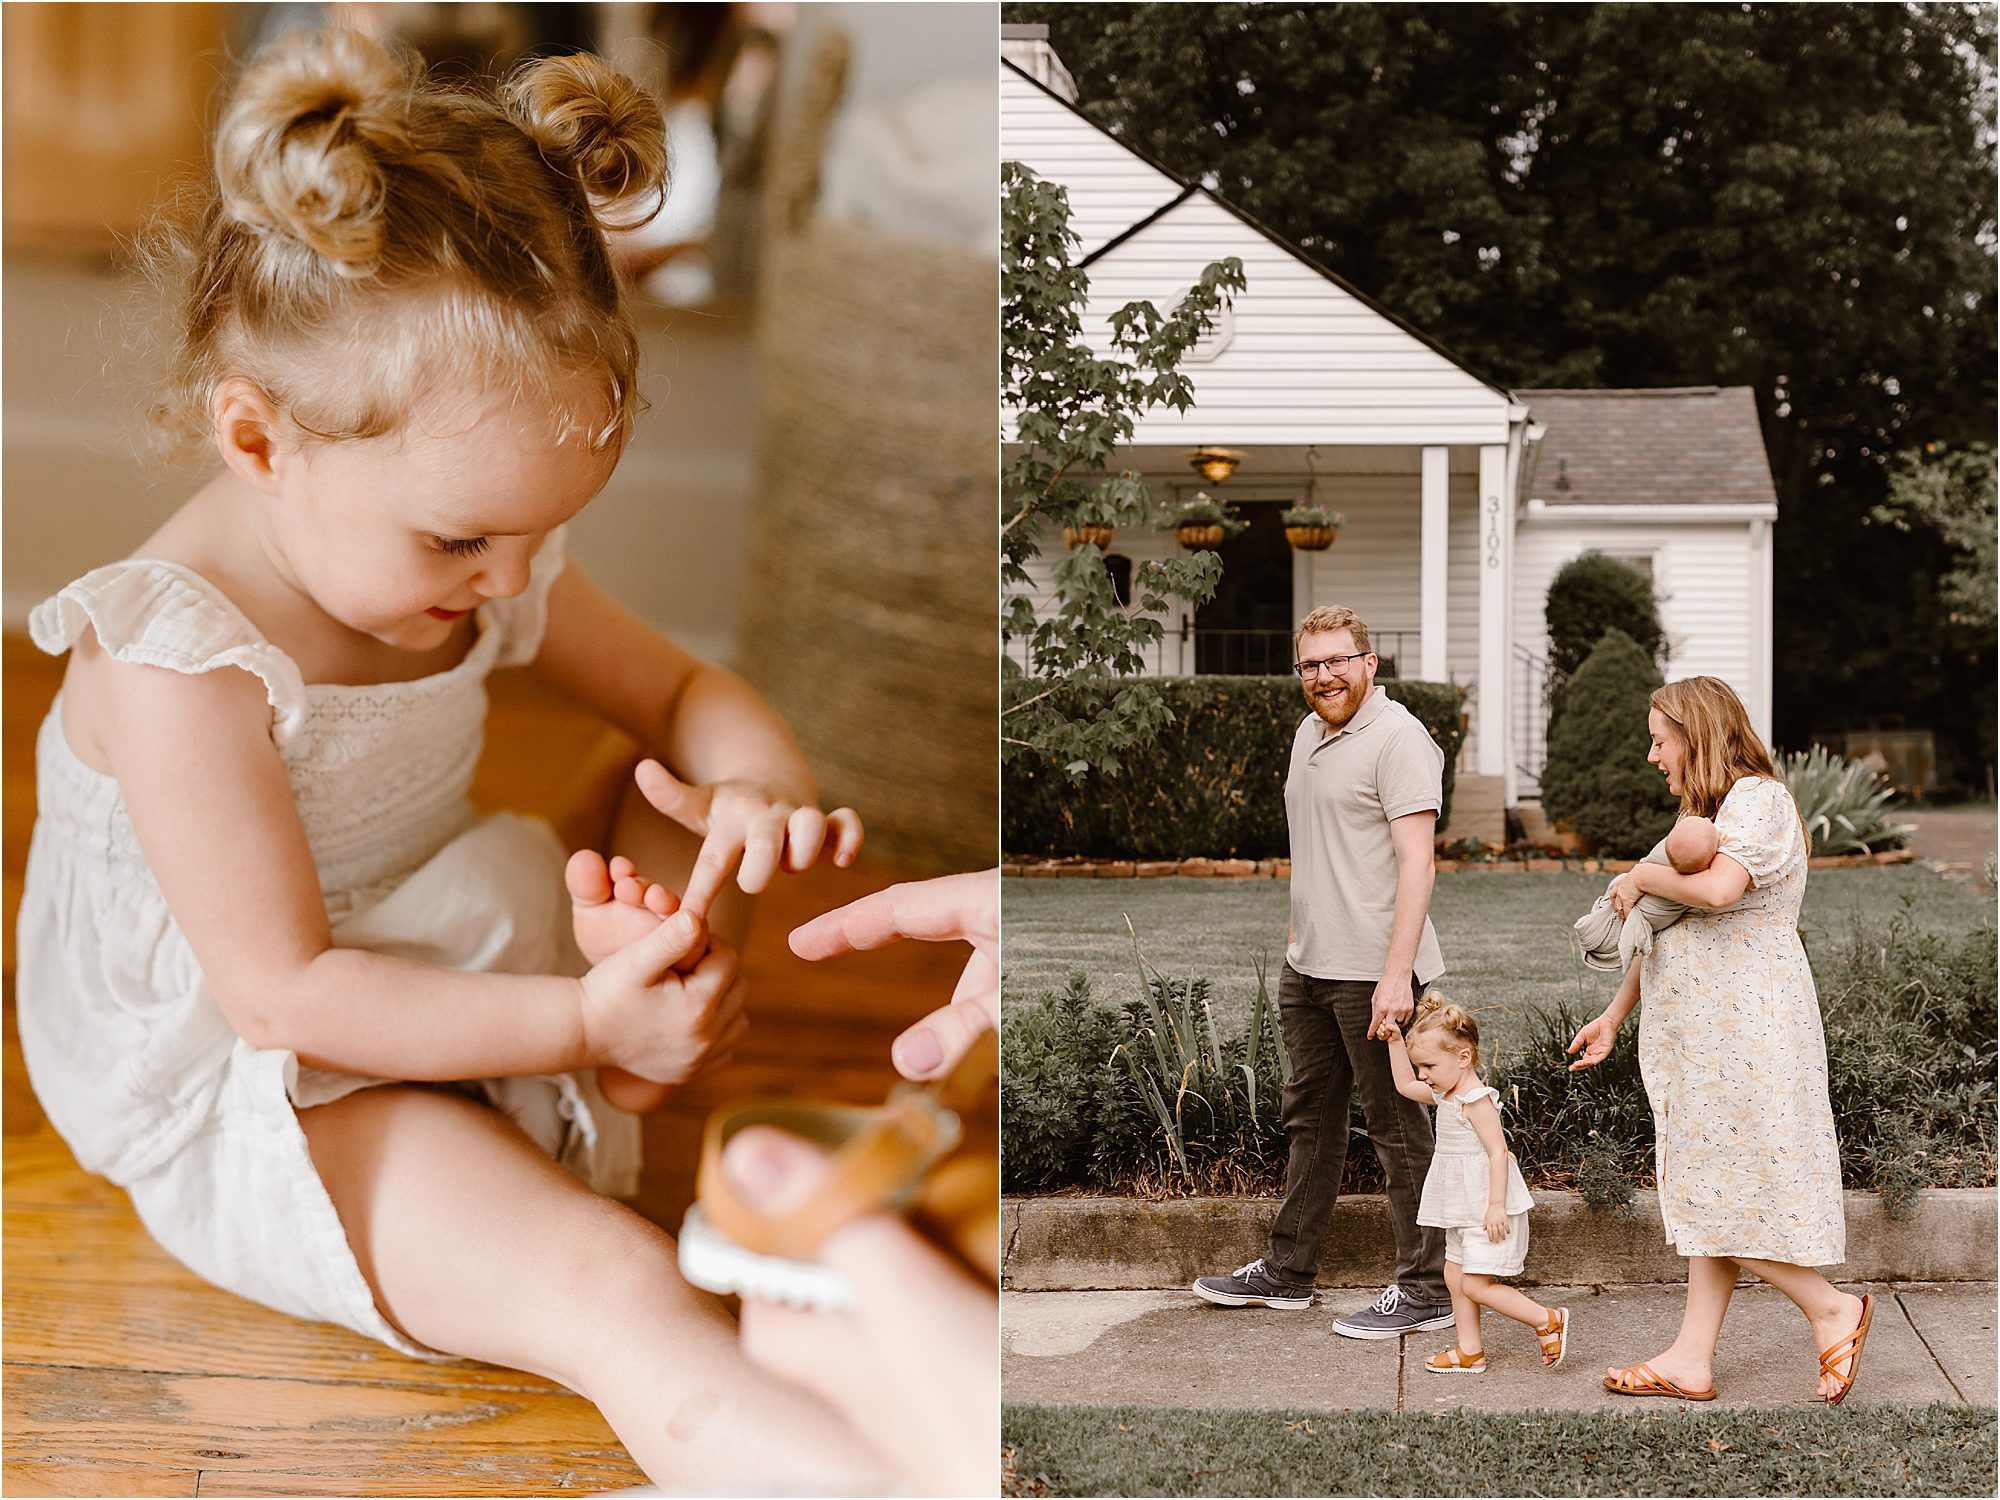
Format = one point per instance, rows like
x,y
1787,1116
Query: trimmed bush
x,y
1597,779
1211,784
1591,594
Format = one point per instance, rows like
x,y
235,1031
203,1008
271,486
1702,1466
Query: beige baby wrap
x,y
1607,942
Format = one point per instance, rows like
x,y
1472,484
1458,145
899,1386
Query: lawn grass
x,y
1506,938
1939,1449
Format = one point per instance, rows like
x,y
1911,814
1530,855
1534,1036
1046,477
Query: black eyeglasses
x,y
1327,665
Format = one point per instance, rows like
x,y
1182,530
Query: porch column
x,y
1496,566
1431,569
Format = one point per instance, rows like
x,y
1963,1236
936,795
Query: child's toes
x,y
588,880
661,901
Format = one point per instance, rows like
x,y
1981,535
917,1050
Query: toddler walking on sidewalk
x,y
1474,1190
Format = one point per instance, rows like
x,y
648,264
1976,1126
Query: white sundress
x,y
1460,1181
131,1057
1733,1056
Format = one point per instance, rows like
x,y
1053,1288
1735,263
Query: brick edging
x,y
1281,869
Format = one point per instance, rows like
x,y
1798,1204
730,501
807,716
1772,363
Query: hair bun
x,y
592,122
302,145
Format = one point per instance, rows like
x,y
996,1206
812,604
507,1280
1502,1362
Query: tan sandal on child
x,y
1455,1361
1554,1339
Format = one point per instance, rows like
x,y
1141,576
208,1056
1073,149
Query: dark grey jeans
x,y
1325,1023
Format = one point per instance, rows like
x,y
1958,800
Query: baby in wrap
x,y
1609,943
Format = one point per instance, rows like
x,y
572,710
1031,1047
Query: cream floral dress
x,y
128,1051
1734,1058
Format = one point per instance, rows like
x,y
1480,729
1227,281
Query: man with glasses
x,y
1361,799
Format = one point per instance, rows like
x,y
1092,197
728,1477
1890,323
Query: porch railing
x,y
1247,653
1535,683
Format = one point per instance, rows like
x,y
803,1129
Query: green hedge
x,y
1212,784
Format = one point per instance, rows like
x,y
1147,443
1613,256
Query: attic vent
x,y
1211,344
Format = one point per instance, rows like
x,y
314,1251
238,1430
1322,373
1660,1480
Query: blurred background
x,y
815,301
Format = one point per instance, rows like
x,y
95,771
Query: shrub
x,y
1591,594
1597,779
1151,1099
1843,803
1212,783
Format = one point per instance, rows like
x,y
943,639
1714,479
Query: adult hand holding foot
x,y
913,1363
951,908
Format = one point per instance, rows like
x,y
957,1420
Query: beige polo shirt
x,y
1341,790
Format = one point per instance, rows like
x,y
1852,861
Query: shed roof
x,y
1682,445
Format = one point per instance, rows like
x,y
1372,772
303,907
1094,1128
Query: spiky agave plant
x,y
1843,802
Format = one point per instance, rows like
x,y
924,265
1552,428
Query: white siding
x,y
1702,573
1307,363
1110,189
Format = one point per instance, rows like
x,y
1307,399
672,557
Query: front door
x,y
1246,629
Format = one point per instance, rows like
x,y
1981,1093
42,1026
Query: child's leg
x,y
477,1245
1465,1311
1508,1301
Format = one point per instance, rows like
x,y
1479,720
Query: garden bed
x,y
1281,869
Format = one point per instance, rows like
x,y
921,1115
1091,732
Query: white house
x,y
1461,498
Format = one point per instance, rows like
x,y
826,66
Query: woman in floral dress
x,y
1733,1056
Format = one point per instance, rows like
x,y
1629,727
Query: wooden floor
x,y
126,1375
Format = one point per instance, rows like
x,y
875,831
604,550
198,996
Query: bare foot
x,y
1840,1317
610,906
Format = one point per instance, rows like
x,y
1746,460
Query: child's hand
x,y
641,1015
1496,1223
741,821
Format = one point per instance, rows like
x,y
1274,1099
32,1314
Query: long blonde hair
x,y
1721,744
372,239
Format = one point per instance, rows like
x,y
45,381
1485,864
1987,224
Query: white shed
x,y
1447,482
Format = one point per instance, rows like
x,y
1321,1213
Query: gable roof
x,y
1189,189
1684,445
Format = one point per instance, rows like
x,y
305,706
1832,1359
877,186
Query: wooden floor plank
x,y
364,1433
126,1374
64,1477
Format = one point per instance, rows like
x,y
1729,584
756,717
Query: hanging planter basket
x,y
1311,538
1098,536
1197,537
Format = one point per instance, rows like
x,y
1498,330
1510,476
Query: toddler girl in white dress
x,y
1474,1190
345,1043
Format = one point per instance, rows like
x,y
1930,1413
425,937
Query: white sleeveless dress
x,y
131,1057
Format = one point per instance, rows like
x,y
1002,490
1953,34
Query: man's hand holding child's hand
x,y
762,827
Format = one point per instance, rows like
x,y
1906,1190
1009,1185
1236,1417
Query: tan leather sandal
x,y
1849,1349
896,1157
1554,1338
1455,1361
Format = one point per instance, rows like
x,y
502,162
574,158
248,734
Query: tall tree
x,y
1797,198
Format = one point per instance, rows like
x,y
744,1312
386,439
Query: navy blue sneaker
x,y
1253,1286
1392,1315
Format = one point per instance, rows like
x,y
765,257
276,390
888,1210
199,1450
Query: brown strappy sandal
x,y
897,1157
1643,1380
1455,1361
1849,1349
1554,1339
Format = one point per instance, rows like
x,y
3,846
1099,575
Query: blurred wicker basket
x,y
870,617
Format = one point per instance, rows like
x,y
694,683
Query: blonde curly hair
x,y
1435,1013
370,236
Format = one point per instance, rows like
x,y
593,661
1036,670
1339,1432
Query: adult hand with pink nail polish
x,y
952,908
913,1365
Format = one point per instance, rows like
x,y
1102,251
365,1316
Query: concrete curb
x,y
1281,869
1128,1244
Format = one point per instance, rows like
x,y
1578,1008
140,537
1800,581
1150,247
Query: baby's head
x,y
1691,844
1443,1043
378,249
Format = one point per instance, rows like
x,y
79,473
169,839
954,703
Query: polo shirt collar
x,y
1370,710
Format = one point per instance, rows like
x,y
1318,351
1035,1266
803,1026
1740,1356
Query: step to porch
x,y
1478,809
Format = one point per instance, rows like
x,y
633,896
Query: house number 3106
x,y
1492,531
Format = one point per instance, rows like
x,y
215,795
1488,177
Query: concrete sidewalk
x,y
1930,1342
